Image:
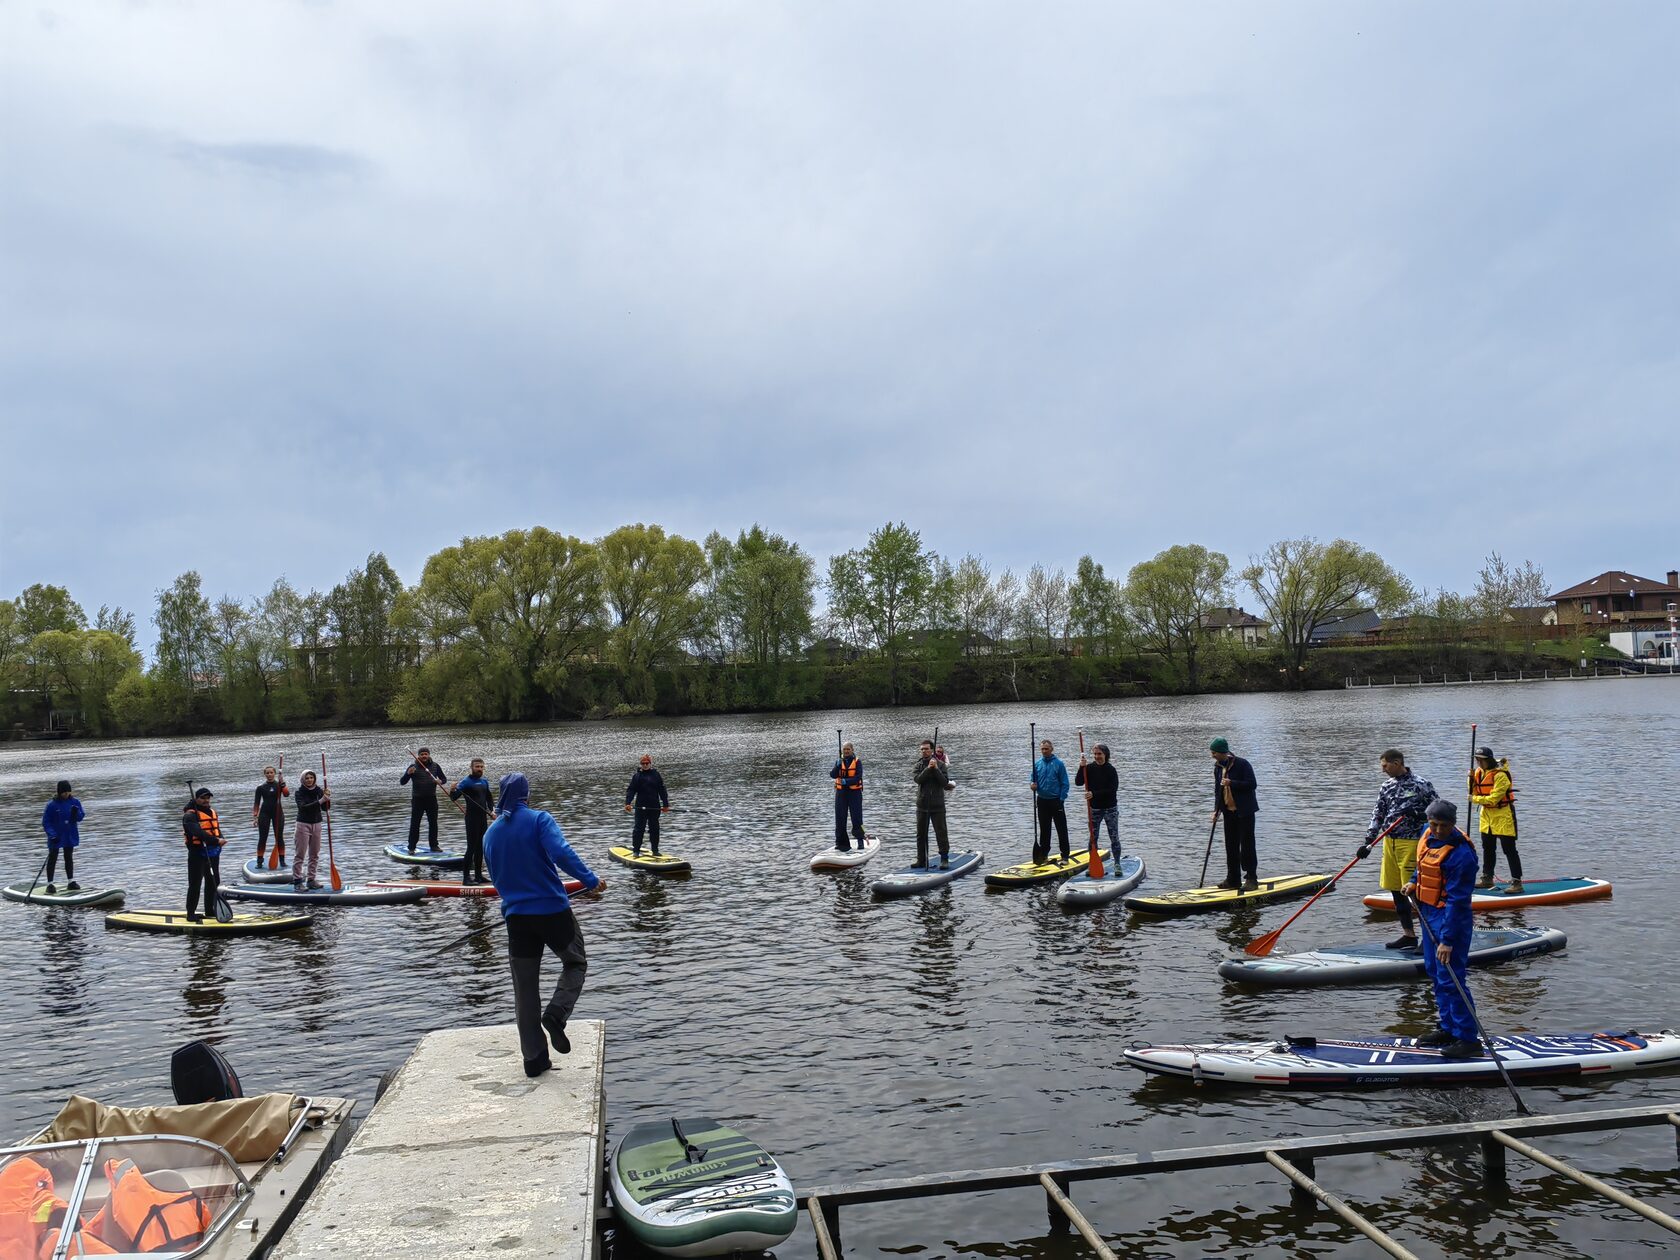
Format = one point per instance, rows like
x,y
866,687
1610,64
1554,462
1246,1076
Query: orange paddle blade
x,y
274,855
1095,869
337,879
1265,944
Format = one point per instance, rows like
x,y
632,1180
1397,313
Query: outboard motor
x,y
198,1073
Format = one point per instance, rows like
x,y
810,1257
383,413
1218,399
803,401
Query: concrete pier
x,y
465,1156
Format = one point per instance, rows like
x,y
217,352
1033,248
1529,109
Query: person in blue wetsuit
x,y
59,821
1447,864
476,789
1050,792
526,852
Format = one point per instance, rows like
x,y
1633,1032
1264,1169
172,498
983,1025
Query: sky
x,y
283,284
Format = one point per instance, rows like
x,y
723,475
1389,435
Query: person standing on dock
x,y
59,820
425,774
1101,782
1236,798
648,797
312,804
1443,886
1490,787
204,851
848,797
269,814
527,853
931,785
1050,791
476,789
1404,798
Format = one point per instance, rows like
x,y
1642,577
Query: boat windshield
x,y
126,1196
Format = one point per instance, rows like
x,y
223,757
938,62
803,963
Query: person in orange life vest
x,y
1490,787
848,797
1443,885
204,851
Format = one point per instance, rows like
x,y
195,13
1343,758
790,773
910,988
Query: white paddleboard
x,y
832,859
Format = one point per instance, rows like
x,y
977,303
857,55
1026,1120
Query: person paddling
x,y
931,785
312,803
269,814
476,788
425,774
1490,787
204,851
1444,883
526,852
1050,791
848,797
59,821
1405,798
1236,798
1101,782
648,797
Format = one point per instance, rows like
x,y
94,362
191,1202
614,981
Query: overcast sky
x,y
284,284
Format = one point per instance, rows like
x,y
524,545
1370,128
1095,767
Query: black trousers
x,y
1240,857
476,827
528,936
927,816
1050,810
422,807
647,820
268,821
69,862
203,872
1491,844
847,805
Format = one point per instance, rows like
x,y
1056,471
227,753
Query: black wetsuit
x,y
423,803
271,815
480,810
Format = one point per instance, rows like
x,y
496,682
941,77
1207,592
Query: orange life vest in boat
x,y
850,776
209,821
157,1220
27,1204
82,1243
1431,882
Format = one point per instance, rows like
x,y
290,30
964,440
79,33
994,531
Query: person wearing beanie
x,y
1490,787
1101,782
1400,804
59,821
527,852
1443,884
1236,798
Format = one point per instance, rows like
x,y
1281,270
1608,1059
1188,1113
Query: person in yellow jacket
x,y
1490,787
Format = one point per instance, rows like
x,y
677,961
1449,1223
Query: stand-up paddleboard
x,y
455,888
699,1188
915,879
1377,1062
1118,879
424,856
1203,900
1536,892
368,895
1052,868
177,921
664,864
37,895
1373,962
832,859
255,874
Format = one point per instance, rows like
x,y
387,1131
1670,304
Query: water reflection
x,y
205,993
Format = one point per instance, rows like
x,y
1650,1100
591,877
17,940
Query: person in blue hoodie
x,y
1441,889
526,852
59,821
476,789
1050,790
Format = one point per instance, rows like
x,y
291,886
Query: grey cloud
x,y
291,161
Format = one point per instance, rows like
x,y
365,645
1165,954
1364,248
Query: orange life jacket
x,y
207,819
157,1220
1431,882
82,1243
1482,784
850,776
27,1204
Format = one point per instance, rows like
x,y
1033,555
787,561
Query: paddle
x,y
426,769
332,866
459,941
37,879
1522,1108
279,821
1264,945
1470,805
1095,867
1209,854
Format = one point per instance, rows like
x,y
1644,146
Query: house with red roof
x,y
1639,613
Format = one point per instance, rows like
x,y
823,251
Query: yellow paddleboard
x,y
177,921
664,864
1202,900
1054,867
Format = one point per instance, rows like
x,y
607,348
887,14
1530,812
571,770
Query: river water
x,y
961,1029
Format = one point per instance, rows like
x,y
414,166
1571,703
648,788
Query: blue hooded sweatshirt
x,y
59,821
523,848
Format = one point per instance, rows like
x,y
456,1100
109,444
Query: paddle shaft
x,y
1260,948
332,866
1206,857
1522,1107
487,929
1469,806
38,874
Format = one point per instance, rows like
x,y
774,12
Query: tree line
x,y
534,624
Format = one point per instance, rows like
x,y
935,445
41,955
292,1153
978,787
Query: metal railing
x,y
1505,676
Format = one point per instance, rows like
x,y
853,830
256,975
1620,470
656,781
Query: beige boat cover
x,y
249,1129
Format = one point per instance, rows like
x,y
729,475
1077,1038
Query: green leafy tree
x,y
42,607
762,595
1303,583
887,588
1094,606
119,621
1167,599
82,669
186,630
1047,595
368,655
651,582
972,601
